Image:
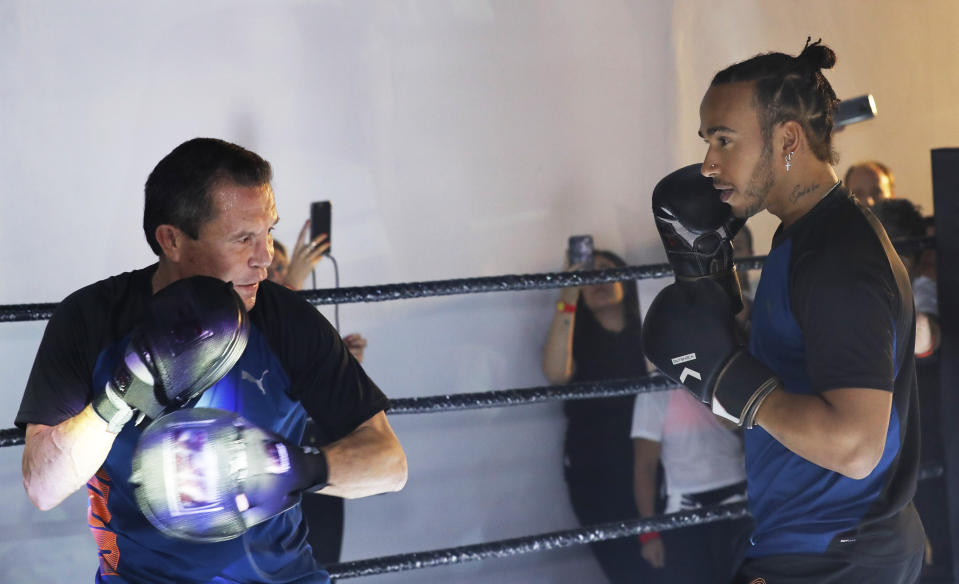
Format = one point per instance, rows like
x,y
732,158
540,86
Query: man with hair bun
x,y
826,390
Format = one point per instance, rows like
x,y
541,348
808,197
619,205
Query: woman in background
x,y
595,336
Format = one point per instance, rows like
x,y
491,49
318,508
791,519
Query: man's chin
x,y
740,211
247,295
744,209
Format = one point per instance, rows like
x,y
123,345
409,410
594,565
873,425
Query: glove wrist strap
x,y
315,469
741,387
112,409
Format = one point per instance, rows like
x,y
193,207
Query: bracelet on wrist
x,y
648,536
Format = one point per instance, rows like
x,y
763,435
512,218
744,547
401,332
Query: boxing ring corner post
x,y
945,194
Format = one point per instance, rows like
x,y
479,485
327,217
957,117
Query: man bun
x,y
817,56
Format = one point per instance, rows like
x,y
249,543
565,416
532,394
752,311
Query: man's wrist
x,y
316,468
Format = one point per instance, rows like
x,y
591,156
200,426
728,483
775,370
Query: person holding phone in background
x,y
324,515
595,336
291,271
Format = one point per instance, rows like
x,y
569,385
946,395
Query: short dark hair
x,y
792,89
900,218
178,190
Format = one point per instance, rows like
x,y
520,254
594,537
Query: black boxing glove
x,y
689,333
194,333
207,475
697,229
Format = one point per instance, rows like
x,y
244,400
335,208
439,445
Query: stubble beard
x,y
760,183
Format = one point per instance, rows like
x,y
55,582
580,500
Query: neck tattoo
x,y
800,192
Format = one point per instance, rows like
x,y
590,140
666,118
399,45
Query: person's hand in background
x,y
306,254
356,344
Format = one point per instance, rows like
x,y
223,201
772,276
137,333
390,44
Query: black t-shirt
x,y
294,364
834,309
598,429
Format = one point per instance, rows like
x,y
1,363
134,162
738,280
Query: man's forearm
x,y
58,460
369,461
843,430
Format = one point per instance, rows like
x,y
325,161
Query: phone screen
x,y
321,213
581,250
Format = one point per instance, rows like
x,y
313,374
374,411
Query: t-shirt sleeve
x,y
846,306
58,387
649,414
332,387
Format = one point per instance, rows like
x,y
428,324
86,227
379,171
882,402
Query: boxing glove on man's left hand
x,y
194,332
689,334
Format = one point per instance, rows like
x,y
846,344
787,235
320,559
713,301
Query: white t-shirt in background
x,y
697,452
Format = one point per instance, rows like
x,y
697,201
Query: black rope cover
x,y
556,539
535,543
11,437
530,395
489,399
385,292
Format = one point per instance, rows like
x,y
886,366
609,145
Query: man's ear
x,y
171,241
793,137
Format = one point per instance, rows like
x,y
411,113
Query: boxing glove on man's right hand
x,y
194,332
697,229
209,475
689,334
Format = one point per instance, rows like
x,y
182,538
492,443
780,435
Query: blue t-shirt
x,y
294,365
834,309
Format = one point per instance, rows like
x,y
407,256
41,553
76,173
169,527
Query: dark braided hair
x,y
792,89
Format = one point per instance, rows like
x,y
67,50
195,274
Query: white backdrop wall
x,y
455,138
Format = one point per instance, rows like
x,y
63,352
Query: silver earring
x,y
789,159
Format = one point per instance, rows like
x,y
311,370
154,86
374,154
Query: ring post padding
x,y
945,195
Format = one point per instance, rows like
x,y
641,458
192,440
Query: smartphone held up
x,y
581,251
321,213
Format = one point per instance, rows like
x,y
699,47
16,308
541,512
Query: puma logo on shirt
x,y
245,376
